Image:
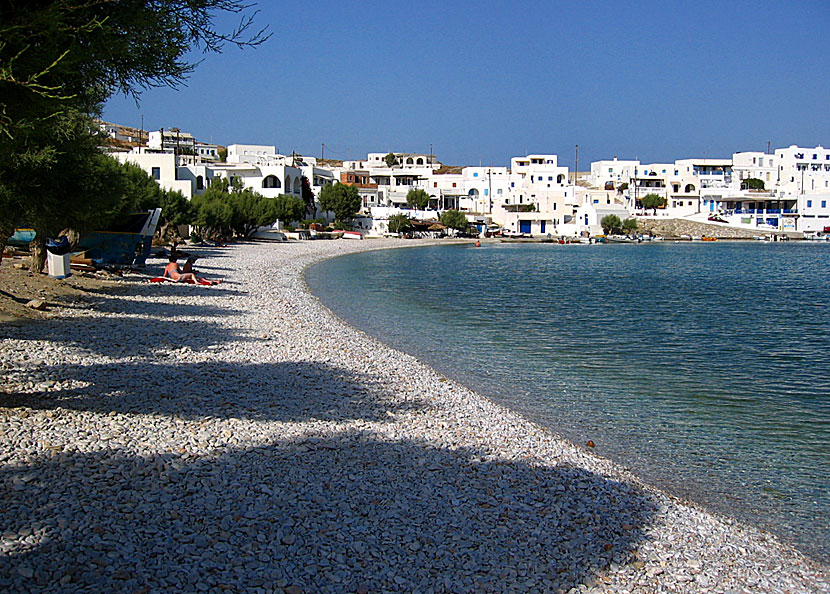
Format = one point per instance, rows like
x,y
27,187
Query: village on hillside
x,y
781,192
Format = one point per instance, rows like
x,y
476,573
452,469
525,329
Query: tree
x,y
390,159
59,60
308,197
73,186
629,226
611,224
654,201
399,223
341,199
454,219
287,208
752,183
417,198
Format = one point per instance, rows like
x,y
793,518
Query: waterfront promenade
x,y
242,438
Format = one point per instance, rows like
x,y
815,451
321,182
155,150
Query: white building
x,y
163,167
172,140
804,175
612,174
207,152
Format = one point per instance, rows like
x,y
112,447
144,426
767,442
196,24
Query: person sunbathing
x,y
174,272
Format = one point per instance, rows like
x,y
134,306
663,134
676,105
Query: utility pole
x,y
141,134
576,163
323,152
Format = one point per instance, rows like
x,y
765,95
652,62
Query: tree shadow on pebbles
x,y
281,391
335,514
147,327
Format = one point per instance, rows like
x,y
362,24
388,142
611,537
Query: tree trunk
x,y
38,250
4,237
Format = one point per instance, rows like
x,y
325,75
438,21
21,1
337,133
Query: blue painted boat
x,y
21,237
125,244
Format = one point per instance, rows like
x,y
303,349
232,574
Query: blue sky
x,y
483,81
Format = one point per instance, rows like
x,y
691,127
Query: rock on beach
x,y
241,438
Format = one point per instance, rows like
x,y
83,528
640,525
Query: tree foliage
x,y
308,197
654,201
752,183
341,199
227,209
611,224
68,185
390,159
454,219
59,60
399,223
417,198
629,225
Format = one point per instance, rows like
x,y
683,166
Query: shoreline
x,y
263,428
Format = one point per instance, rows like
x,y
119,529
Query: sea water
x,y
703,367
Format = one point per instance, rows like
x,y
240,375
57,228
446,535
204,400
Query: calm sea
x,y
705,368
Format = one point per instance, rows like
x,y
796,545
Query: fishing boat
x,y
127,243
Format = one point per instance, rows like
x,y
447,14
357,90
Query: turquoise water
x,y
705,368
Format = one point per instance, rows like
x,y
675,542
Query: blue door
x,y
543,226
524,226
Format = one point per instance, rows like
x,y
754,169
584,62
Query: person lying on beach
x,y
175,273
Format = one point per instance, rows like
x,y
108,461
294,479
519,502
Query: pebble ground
x,y
241,438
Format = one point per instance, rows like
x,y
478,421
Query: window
x,y
486,192
498,191
809,204
550,178
824,203
156,172
200,182
475,174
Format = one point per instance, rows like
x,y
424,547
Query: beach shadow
x,y
328,514
173,386
138,327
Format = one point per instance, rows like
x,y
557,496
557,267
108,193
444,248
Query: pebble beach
x,y
242,438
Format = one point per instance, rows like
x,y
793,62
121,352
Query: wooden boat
x,y
126,244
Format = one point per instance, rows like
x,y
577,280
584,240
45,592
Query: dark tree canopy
x,y
752,183
399,223
611,224
654,201
341,199
308,197
454,219
63,53
417,198
59,60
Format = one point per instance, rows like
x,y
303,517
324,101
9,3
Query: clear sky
x,y
484,81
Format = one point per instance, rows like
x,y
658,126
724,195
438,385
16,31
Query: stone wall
x,y
674,228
